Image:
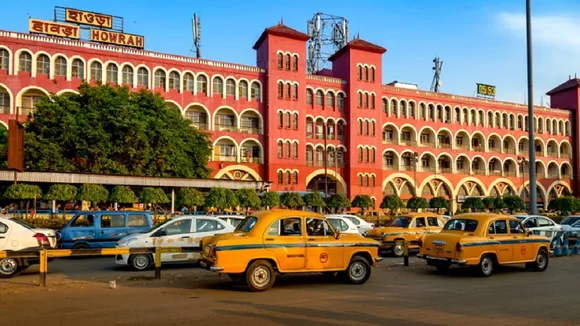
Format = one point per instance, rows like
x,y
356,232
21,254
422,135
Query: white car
x,y
540,225
234,220
17,235
183,231
342,224
362,225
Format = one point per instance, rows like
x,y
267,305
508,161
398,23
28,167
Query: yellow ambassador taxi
x,y
273,242
484,241
409,227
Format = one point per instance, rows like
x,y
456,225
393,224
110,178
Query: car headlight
x,y
125,242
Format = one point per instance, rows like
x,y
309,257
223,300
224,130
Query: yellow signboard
x,y
54,29
486,90
132,40
88,18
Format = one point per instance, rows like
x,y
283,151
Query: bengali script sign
x,y
88,18
132,40
53,29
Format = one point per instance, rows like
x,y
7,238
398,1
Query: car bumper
x,y
210,266
443,259
122,259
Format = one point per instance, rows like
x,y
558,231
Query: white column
x,y
54,207
172,201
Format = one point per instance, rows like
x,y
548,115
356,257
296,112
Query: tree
x,y
291,200
473,203
63,193
488,203
248,198
93,193
3,148
514,203
153,196
362,201
111,130
23,191
338,201
392,203
438,203
270,199
499,203
190,198
122,195
417,203
314,199
221,198
564,205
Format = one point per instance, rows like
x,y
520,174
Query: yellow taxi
x,y
281,241
409,227
484,241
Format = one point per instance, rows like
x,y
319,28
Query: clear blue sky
x,y
478,41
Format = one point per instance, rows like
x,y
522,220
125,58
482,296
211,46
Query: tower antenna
x,y
328,34
437,66
196,31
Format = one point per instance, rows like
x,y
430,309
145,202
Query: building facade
x,y
341,130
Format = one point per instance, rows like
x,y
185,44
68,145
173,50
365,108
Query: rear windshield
x,y
247,224
570,220
24,224
464,225
401,221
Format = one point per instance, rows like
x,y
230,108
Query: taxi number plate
x,y
206,251
439,248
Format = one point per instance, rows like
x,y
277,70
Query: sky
x,y
478,41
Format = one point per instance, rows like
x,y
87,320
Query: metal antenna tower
x,y
438,64
196,30
328,34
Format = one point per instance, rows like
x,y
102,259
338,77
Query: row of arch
x,y
325,98
365,72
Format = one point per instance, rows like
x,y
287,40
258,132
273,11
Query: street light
x,y
532,154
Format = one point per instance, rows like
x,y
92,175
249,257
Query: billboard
x,y
485,90
88,18
51,28
124,39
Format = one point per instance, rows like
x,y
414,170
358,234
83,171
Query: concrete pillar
x,y
54,207
116,206
172,201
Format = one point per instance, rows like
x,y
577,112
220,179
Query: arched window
x,y
373,153
373,128
4,59
112,73
217,86
280,90
360,99
295,150
280,119
25,62
367,155
360,154
243,89
360,180
295,63
295,121
309,97
319,98
280,149
340,101
97,71
288,118
295,178
359,74
127,75
295,92
255,91
366,100
201,84
367,128
373,101
360,127
366,181
366,73
330,100
288,90
43,64
60,66
373,181
372,74
280,177
142,77
160,79
230,87
287,149
188,82
174,80
288,63
288,177
78,69
280,61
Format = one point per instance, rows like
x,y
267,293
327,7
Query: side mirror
x,y
337,235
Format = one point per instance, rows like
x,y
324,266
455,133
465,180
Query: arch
x,y
441,142
444,180
244,168
66,90
177,105
53,64
200,124
331,173
552,170
500,180
260,118
474,135
543,191
224,107
11,58
396,159
476,182
565,148
16,60
543,167
559,182
24,91
450,169
259,145
227,138
393,176
512,147
466,164
513,167
565,170
10,97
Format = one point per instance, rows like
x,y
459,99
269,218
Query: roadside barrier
x,y
44,254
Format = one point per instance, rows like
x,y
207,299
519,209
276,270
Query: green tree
x,y
489,203
93,193
514,203
122,195
23,192
270,199
61,193
362,201
221,198
314,199
564,205
438,203
338,201
248,198
153,196
111,130
3,148
392,203
499,203
190,198
291,200
473,203
417,203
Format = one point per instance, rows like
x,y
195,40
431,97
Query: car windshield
x,y
570,220
247,224
464,225
24,224
401,222
235,221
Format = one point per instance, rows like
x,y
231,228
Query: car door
x,y
4,236
137,223
498,234
205,227
285,238
521,250
546,227
174,234
112,227
323,249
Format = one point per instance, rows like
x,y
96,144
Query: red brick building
x,y
274,122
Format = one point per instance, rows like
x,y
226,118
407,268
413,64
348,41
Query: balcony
x,y
390,141
226,158
445,145
509,173
427,144
200,126
478,171
251,130
388,167
255,160
224,127
410,143
4,109
509,151
540,154
25,111
445,170
407,167
478,148
566,176
552,154
495,149
462,147
495,172
319,136
427,169
462,171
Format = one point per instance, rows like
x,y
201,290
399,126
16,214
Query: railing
x,y
510,173
201,126
408,143
407,168
390,141
552,176
309,163
495,172
250,160
319,136
309,135
251,130
479,148
326,79
445,170
509,151
462,171
478,172
552,154
464,147
495,149
226,158
445,145
25,111
4,109
566,176
427,144
427,169
222,127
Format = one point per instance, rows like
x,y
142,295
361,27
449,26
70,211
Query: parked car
x,y
102,229
343,224
541,225
484,241
234,220
16,235
282,241
183,231
362,225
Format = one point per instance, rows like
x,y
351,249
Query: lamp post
x,y
415,160
532,157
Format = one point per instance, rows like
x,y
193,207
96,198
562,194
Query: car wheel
x,y
486,265
358,271
442,267
398,250
140,262
542,259
9,267
260,276
80,246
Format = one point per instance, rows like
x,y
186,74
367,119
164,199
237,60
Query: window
x,y
360,155
373,101
280,177
287,149
295,150
4,59
60,66
203,225
316,227
338,225
113,221
280,149
142,77
243,89
295,176
295,63
43,64
360,180
544,222
84,221
433,221
360,127
420,222
201,84
112,73
516,227
127,75
288,122
160,79
280,61
359,74
288,91
372,74
340,101
78,69
288,177
97,71
3,228
319,96
498,227
280,119
330,100
461,225
174,80
217,86
255,91
25,62
137,220
291,226
178,227
373,128
230,87
188,82
295,121
295,92
308,97
360,100
366,73
366,101
288,63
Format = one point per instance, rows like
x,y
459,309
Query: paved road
x,y
79,293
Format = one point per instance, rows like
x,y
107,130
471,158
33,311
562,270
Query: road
x,y
78,292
